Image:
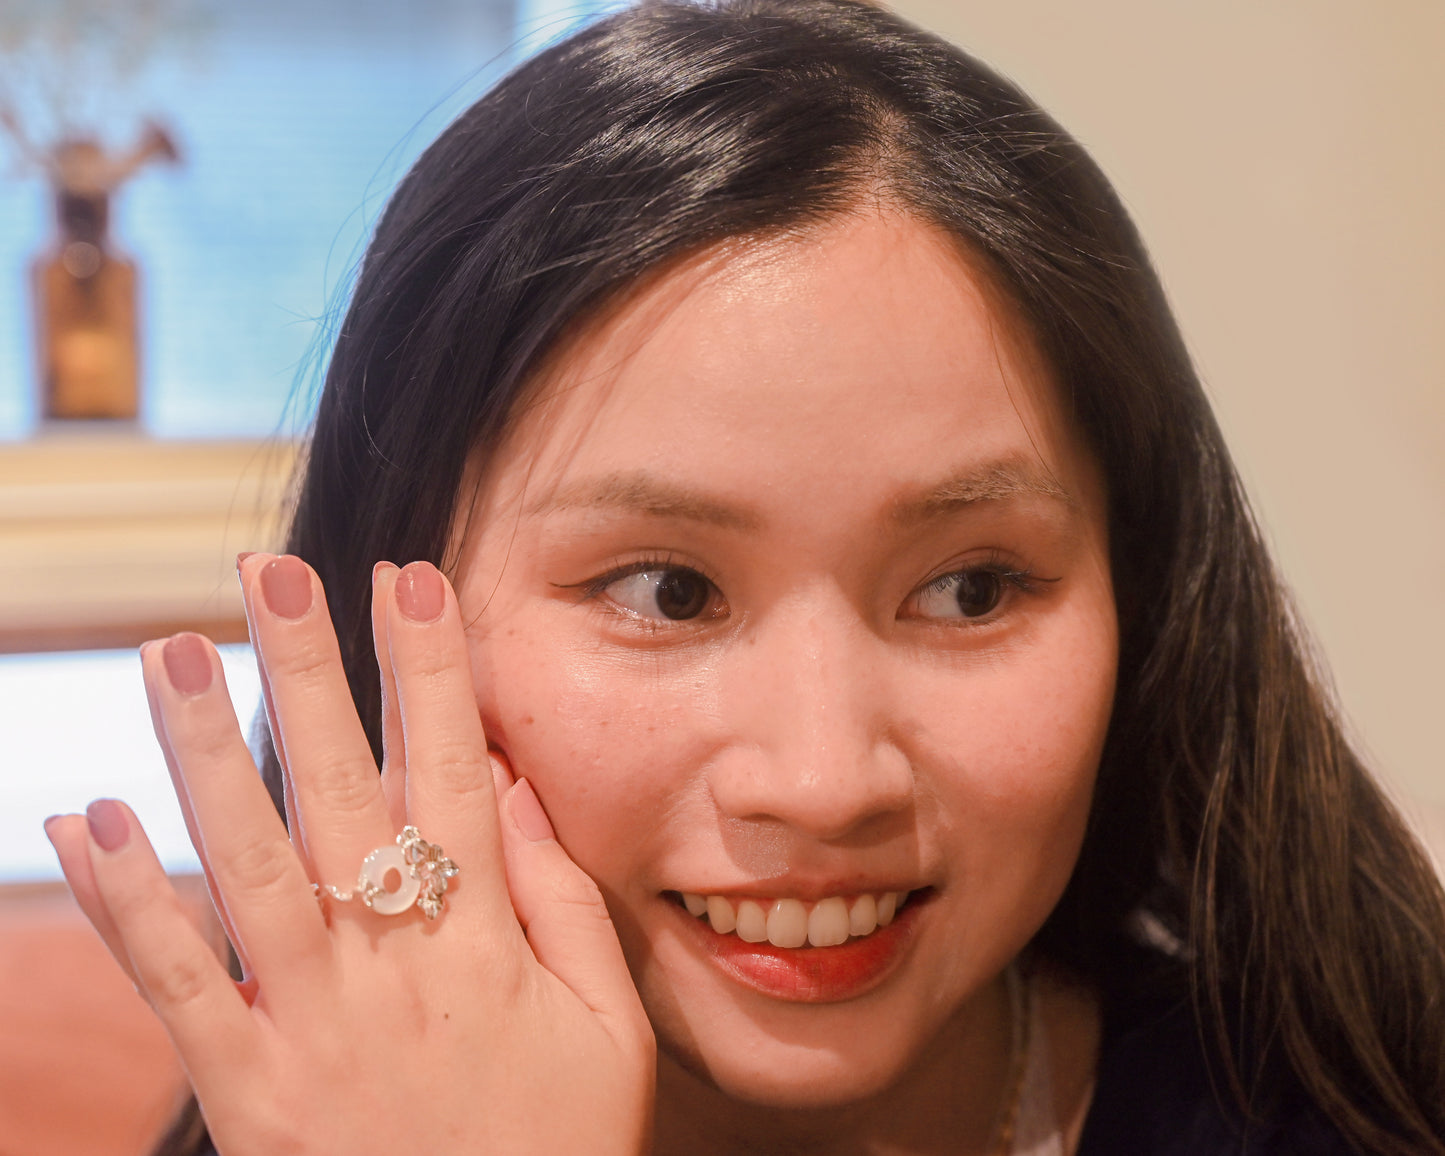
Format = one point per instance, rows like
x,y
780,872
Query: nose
x,y
813,733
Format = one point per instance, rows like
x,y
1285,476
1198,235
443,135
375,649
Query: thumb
x,y
561,910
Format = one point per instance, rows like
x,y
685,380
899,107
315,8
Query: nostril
x,y
828,791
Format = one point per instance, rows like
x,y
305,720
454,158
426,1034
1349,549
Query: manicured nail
x,y
501,776
108,826
419,593
241,557
379,567
187,662
527,813
286,586
46,825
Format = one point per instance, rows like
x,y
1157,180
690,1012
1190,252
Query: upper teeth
x,y
791,923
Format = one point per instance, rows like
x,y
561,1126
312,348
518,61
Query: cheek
x,y
605,750
1018,753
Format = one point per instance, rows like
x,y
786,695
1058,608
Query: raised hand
x,y
507,1024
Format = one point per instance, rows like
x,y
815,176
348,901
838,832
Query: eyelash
x,y
595,590
1023,580
595,587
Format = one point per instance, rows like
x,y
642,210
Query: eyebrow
x,y
990,483
644,494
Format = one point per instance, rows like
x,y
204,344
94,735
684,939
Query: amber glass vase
x,y
85,309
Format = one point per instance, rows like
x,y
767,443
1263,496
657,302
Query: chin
x,y
811,1028
782,1055
789,1075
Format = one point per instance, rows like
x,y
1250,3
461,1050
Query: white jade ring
x,y
419,867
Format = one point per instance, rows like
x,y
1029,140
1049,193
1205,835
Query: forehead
x,y
774,364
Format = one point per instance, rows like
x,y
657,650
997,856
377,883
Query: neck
x,y
946,1101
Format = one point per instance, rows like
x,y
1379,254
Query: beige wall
x,y
1285,161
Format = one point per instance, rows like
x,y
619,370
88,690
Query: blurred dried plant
x,y
76,69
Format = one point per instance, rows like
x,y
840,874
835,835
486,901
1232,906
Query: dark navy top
x,y
1153,1097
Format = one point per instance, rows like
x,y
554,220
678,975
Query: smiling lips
x,y
791,923
833,949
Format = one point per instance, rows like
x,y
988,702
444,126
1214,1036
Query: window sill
x,y
109,537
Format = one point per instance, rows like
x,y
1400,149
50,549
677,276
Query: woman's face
x,y
790,591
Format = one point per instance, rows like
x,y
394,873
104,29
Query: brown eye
x,y
677,594
963,594
978,592
681,594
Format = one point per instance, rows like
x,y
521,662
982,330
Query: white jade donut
x,y
374,869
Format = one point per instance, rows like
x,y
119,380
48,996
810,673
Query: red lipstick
x,y
809,974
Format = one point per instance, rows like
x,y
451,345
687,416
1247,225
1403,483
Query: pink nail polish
x,y
286,586
50,819
188,663
527,813
108,825
501,773
241,557
419,592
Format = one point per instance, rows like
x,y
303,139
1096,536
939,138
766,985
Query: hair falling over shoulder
x,y
1312,923
1229,806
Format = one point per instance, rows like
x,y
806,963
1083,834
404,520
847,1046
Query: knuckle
x,y
430,666
262,865
306,664
210,742
457,758
340,783
129,906
434,681
181,982
580,896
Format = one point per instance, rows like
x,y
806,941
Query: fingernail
x,y
379,567
187,662
46,825
286,586
527,813
501,775
241,557
419,593
108,826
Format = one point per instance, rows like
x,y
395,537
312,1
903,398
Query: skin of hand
x,y
509,1024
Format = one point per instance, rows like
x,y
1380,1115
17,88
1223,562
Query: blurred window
x,y
295,119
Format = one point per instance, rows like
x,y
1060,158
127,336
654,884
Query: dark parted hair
x,y
1228,805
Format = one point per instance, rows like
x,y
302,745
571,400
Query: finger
x,y
502,777
562,912
268,703
175,968
264,892
393,763
183,798
340,813
70,838
449,791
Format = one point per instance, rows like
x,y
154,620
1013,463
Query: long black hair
x,y
1228,807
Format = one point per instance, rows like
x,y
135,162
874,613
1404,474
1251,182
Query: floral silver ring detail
x,y
422,868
